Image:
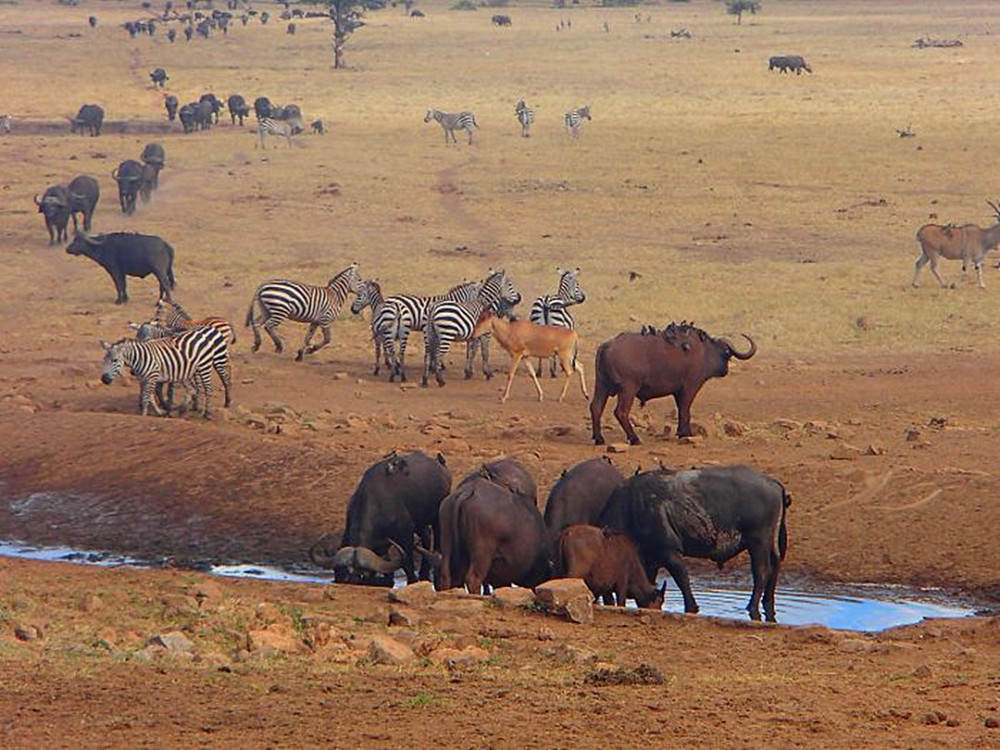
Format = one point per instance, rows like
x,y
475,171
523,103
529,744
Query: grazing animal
x,y
124,254
5,123
511,474
580,495
170,102
262,107
55,207
282,300
187,117
416,13
784,63
675,362
188,32
551,309
968,243
155,157
216,104
238,108
290,29
449,321
264,17
186,358
574,120
148,183
500,20
714,512
91,117
278,128
92,21
491,536
608,562
202,114
450,123
369,294
159,77
84,193
522,339
525,116
129,177
397,498
172,35
317,127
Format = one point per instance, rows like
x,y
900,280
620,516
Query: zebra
x,y
449,321
551,309
316,305
525,116
187,358
283,128
575,118
5,121
369,294
450,123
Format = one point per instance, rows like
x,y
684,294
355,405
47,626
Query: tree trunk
x,y
338,50
739,18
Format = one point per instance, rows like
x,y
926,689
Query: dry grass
x,y
723,185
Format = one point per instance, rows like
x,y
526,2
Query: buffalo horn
x,y
741,355
37,202
366,559
114,174
434,557
342,558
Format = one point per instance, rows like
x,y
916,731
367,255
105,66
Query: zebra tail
x,y
476,124
249,320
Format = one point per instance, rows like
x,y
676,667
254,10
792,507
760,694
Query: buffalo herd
x,y
614,533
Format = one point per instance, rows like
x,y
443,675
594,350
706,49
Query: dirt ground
x,y
705,188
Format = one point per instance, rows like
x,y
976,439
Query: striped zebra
x,y
5,121
187,358
316,305
370,295
575,118
450,123
449,321
281,128
551,309
525,116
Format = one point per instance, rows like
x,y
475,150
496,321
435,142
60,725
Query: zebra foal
x,y
575,118
525,116
187,358
551,309
281,300
450,123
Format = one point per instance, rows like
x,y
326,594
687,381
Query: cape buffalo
x,y
170,102
262,107
784,63
714,512
124,254
187,117
203,114
580,494
675,362
216,104
188,32
148,182
238,108
159,77
608,563
155,157
511,474
397,497
172,35
54,206
129,177
91,117
84,193
500,20
92,21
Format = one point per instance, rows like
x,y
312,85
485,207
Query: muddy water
x,y
861,607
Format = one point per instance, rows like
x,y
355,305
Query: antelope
x,y
521,339
968,243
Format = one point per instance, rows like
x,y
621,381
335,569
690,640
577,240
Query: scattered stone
x,y
991,722
787,424
922,671
912,434
938,423
953,723
466,658
402,617
734,429
268,612
569,597
644,674
385,650
617,447
513,597
930,718
545,633
174,641
699,430
875,450
465,606
341,375
27,632
273,638
690,440
844,452
566,654
418,594
89,603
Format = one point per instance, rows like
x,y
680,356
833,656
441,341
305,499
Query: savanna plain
x,y
705,188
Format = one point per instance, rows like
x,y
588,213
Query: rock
x,y
470,656
341,375
644,674
787,424
273,638
938,423
402,617
569,597
617,447
734,429
855,645
922,671
545,633
953,723
174,641
875,450
699,430
385,650
565,654
89,603
912,434
513,597
991,722
844,452
930,718
690,440
207,590
25,632
419,594
268,612
466,606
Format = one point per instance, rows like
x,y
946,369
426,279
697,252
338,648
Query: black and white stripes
x,y
5,121
280,128
525,116
553,309
452,122
574,120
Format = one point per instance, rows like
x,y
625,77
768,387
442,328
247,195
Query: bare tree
x,y
739,7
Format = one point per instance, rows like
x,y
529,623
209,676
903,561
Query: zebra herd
x,y
525,117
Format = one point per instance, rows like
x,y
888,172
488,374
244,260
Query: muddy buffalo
x,y
674,362
54,206
580,494
124,254
84,192
608,563
714,512
397,498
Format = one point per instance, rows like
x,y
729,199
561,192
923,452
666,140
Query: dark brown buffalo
x,y
674,362
609,563
397,497
55,207
491,536
580,494
512,475
715,512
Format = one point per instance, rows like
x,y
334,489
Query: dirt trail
x,y
456,209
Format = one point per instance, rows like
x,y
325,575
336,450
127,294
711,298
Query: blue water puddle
x,y
860,607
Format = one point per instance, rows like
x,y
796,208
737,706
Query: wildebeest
x,y
159,77
217,105
84,193
262,107
784,63
128,175
714,512
91,117
397,498
580,494
500,20
675,362
608,562
968,243
54,206
170,102
238,108
187,117
92,21
491,537
124,254
154,156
